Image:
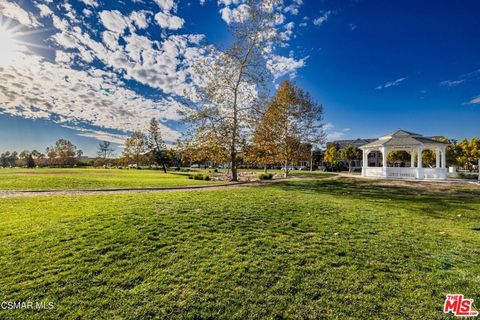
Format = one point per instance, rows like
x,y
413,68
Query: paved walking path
x,y
36,193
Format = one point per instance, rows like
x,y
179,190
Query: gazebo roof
x,y
402,138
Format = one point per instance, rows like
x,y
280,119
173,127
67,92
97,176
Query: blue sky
x,y
90,70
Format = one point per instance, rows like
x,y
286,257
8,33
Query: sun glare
x,y
8,47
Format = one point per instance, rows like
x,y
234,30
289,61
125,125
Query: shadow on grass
x,y
430,202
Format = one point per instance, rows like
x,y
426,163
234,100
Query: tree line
x,y
63,154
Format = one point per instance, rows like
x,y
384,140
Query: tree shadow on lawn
x,y
431,202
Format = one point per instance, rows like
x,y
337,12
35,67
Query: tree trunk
x,y
265,168
311,161
286,169
234,167
164,167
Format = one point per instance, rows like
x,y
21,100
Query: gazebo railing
x,y
400,172
435,173
374,172
406,173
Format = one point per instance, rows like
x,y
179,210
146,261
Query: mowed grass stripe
x,y
80,179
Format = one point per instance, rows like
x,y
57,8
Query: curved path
x,y
35,193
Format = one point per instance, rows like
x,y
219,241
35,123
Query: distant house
x,y
374,158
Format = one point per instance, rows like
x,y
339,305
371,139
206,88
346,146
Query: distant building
x,y
374,158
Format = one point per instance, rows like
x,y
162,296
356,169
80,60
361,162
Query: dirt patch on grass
x,y
427,187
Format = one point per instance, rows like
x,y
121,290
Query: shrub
x,y
265,176
199,176
464,175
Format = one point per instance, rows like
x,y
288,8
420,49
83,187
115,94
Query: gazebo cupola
x,y
412,143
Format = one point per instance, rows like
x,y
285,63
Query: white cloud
x,y
14,11
140,18
101,135
92,3
328,126
322,19
58,23
280,66
474,101
68,91
168,21
391,84
237,14
336,135
87,12
110,39
471,76
114,21
167,5
43,90
63,57
452,83
294,7
44,9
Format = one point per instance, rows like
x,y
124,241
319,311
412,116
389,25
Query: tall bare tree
x,y
104,151
228,83
135,147
156,144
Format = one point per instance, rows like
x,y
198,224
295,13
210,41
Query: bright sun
x,y
9,47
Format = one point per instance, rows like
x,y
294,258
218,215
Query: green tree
x,y
63,154
292,124
454,153
350,154
470,152
30,161
398,156
331,155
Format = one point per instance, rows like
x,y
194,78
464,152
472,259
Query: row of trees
x,y
146,148
283,133
63,154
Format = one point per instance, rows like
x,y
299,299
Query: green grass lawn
x,y
88,178
307,249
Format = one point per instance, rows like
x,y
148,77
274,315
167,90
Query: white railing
x,y
435,173
374,172
401,173
406,173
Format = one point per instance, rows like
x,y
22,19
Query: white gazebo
x,y
414,144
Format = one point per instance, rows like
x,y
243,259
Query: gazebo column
x,y
384,151
420,163
412,159
437,158
444,158
364,162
